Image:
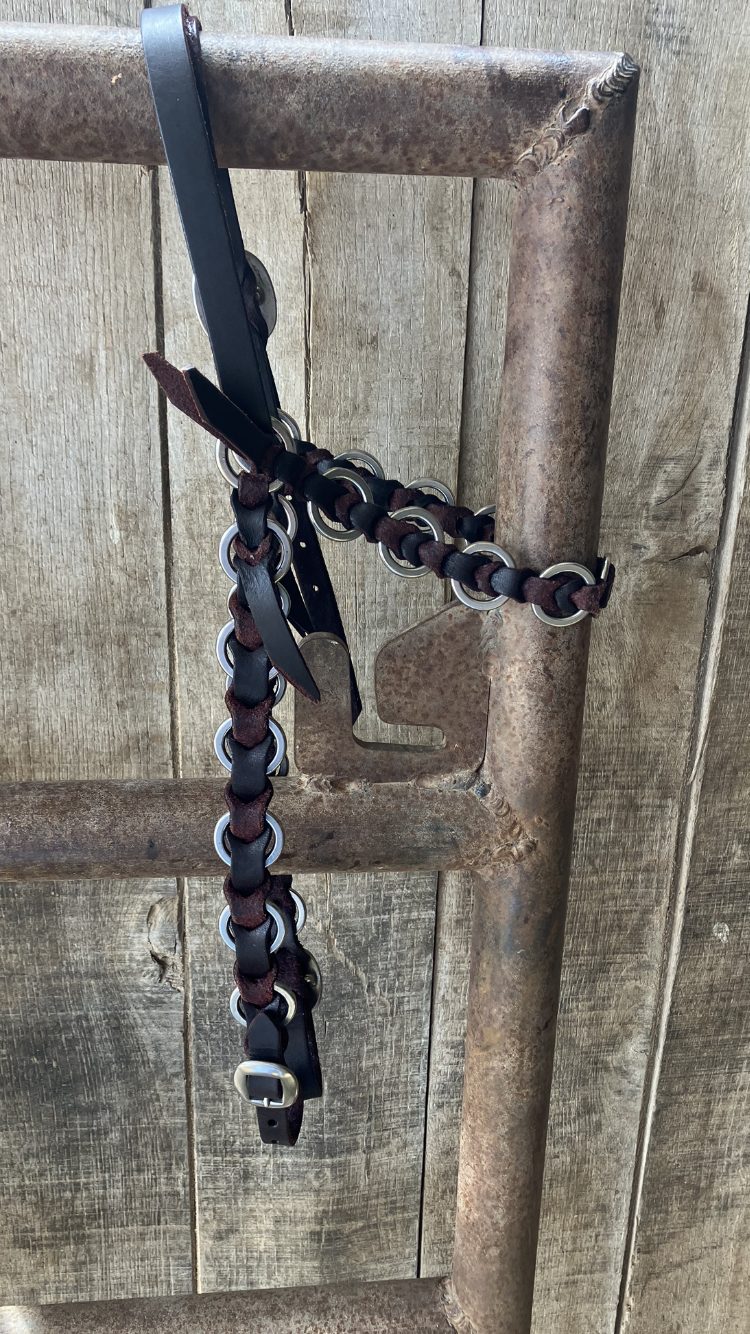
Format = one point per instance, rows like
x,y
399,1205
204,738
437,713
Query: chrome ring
x,y
291,516
279,684
488,509
390,562
359,456
224,756
284,599
225,661
291,1002
220,829
288,996
469,600
443,491
234,1008
223,451
282,433
225,930
283,536
325,529
290,423
224,546
564,567
300,916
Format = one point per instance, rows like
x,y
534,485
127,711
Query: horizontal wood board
x,y
94,1199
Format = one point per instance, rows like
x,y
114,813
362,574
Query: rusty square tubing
x,y
81,94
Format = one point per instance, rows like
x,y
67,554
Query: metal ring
x,y
283,536
291,516
225,468
222,824
222,754
300,916
468,599
325,529
563,567
267,1070
410,571
226,933
488,509
443,491
284,599
288,996
279,684
359,456
290,423
225,661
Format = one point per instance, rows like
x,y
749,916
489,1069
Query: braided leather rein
x,y
282,486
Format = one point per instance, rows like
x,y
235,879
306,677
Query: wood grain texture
x,y
93,1170
680,340
690,1267
450,989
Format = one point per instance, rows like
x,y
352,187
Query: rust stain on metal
x,y
398,1307
82,94
431,675
140,829
565,272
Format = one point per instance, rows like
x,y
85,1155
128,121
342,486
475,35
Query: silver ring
x,y
410,571
300,916
325,529
283,536
282,433
278,940
220,829
291,517
443,491
225,661
469,600
222,754
284,599
288,996
290,423
359,456
563,567
279,684
225,468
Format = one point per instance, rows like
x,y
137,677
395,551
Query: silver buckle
x,y
267,1070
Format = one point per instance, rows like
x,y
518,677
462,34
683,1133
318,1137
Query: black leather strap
x,y
259,592
204,199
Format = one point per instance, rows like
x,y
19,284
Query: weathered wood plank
x,y
447,1035
681,335
93,1182
690,1264
93,1179
371,279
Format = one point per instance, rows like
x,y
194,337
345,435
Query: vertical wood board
x,y
93,1164
691,1270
